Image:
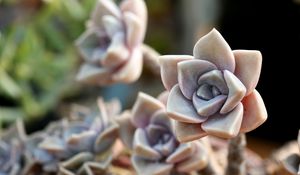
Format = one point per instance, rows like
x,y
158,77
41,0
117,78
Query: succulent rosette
x,y
292,162
148,132
11,147
213,91
111,45
80,145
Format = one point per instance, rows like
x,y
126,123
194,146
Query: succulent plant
x,y
79,145
292,162
11,146
111,44
148,132
213,92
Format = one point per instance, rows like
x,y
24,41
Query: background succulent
x,y
292,162
148,132
111,44
213,92
37,56
11,149
78,145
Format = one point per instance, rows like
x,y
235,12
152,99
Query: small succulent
x,y
292,162
213,92
79,145
111,44
148,132
11,146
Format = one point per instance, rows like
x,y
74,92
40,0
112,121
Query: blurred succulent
x,y
213,92
111,44
148,132
11,146
292,162
37,57
79,145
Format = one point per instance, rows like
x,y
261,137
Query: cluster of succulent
x,y
213,92
11,149
111,45
81,144
148,132
209,94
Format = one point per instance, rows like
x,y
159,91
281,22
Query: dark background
x,y
273,27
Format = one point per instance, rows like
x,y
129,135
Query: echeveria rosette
x,y
213,92
111,45
11,147
81,144
148,132
292,162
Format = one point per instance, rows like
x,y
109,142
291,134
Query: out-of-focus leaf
x,y
10,114
74,8
8,86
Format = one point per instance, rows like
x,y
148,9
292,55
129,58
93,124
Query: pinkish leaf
x,y
186,132
208,107
197,161
248,67
126,129
181,109
132,69
183,151
92,74
142,147
255,112
213,48
146,167
135,30
225,126
144,107
168,69
188,74
104,7
236,93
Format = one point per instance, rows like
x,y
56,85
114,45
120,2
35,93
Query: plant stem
x,y
236,164
150,57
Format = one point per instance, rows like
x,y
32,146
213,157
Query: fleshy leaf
x,y
106,138
168,69
94,75
126,129
92,45
183,151
225,126
104,7
208,107
186,132
136,7
181,109
76,161
215,79
255,112
144,107
135,30
132,70
236,93
146,167
160,117
248,67
142,147
197,161
188,74
116,52
213,48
